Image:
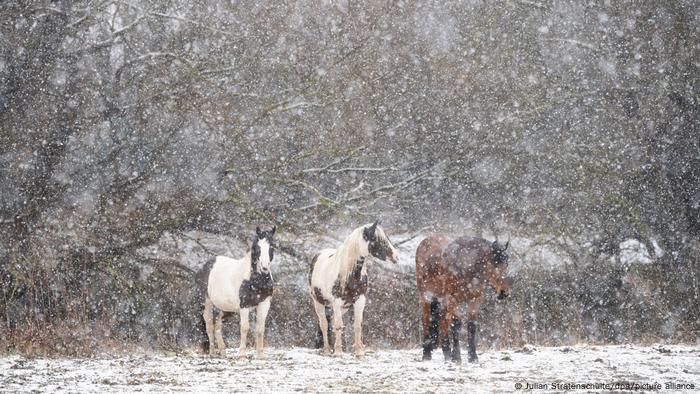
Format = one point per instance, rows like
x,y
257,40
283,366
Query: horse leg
x,y
245,326
329,320
456,351
444,335
218,333
473,309
358,308
323,324
260,317
430,312
318,342
338,327
208,315
471,338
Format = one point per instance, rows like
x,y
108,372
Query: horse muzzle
x,y
394,257
502,295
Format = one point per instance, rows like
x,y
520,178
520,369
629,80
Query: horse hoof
x,y
359,350
473,359
337,354
427,357
261,356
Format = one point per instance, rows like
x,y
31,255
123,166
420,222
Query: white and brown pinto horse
x,y
452,271
237,286
338,278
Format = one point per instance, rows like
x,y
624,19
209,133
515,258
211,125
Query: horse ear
x,y
272,232
369,232
258,232
373,229
507,243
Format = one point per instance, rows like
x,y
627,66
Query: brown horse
x,y
452,271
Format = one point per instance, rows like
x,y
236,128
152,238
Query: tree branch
x,y
575,42
335,162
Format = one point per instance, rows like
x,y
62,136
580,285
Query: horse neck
x,y
349,253
248,262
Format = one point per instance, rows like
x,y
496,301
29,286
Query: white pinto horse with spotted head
x,y
338,278
238,286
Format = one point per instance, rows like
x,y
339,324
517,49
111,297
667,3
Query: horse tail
x,y
311,267
436,312
318,341
202,281
202,328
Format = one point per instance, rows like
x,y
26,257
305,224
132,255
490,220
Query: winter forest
x,y
139,139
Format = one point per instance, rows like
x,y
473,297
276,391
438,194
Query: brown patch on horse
x,y
318,296
355,286
429,268
255,290
380,248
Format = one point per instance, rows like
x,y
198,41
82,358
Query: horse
x,y
338,278
452,271
237,286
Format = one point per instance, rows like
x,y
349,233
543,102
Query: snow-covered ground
x,y
296,369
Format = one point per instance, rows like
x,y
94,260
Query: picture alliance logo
x,y
623,386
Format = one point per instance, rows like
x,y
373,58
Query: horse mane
x,y
253,262
247,259
348,253
467,241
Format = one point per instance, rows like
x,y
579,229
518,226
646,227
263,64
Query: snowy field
x,y
301,370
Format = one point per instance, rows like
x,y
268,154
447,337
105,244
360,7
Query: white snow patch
x,y
407,250
489,170
298,369
658,251
608,67
634,252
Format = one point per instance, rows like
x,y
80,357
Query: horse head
x,y
262,250
498,274
378,244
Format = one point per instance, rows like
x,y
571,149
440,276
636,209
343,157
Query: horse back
x,y
447,265
467,255
473,243
323,268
